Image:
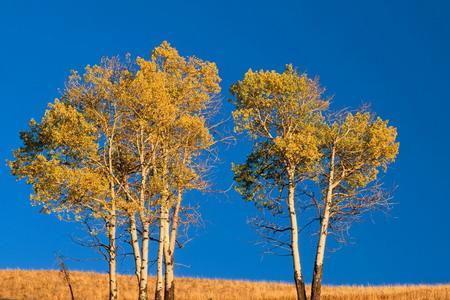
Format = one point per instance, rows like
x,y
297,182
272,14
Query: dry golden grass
x,y
20,284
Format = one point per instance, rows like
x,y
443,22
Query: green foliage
x,y
260,179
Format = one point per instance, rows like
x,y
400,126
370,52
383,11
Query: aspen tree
x,y
191,85
97,95
69,157
355,148
186,174
147,117
279,111
168,101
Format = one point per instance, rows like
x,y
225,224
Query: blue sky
x,y
393,54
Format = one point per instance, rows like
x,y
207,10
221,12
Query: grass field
x,y
21,284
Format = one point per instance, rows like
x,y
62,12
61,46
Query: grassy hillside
x,y
20,284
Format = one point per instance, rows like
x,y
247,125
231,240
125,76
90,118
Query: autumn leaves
x,y
120,148
297,141
127,139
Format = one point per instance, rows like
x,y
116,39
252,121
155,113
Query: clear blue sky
x,y
394,55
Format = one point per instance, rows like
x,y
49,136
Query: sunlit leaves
x,y
363,144
271,104
117,122
282,112
57,160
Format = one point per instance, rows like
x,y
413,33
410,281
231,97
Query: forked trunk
x,y
112,256
298,278
325,221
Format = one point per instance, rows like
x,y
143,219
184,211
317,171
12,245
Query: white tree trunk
x,y
325,220
298,278
175,222
112,256
170,243
159,291
168,278
144,260
113,291
136,247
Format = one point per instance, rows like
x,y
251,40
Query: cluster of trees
x,y
128,138
121,147
332,158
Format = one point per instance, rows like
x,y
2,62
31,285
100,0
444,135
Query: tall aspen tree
x,y
69,157
355,148
279,111
191,85
168,102
135,132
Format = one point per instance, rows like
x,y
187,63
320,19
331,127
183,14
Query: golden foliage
x,y
282,113
271,104
57,161
112,123
362,144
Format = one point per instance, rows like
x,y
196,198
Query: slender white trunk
x,y
144,260
169,292
169,254
175,222
298,278
159,291
143,215
325,220
167,257
113,291
112,256
136,247
168,263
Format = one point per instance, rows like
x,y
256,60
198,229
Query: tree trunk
x,y
159,291
169,287
143,276
112,230
298,278
325,220
168,263
112,256
136,247
144,260
169,291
